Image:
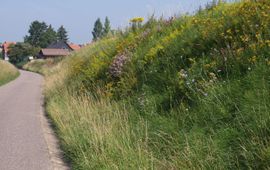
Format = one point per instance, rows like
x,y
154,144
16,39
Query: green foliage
x,y
40,35
98,30
62,34
51,35
107,27
19,53
234,118
195,90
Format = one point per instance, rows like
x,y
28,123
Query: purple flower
x,y
146,33
117,65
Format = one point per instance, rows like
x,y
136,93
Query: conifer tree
x,y
107,27
50,35
98,30
62,34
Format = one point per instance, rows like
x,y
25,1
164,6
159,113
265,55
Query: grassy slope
x,y
7,72
189,93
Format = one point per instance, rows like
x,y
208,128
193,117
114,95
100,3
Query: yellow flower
x,y
267,42
264,14
239,51
229,31
206,66
244,38
137,20
153,52
258,35
253,59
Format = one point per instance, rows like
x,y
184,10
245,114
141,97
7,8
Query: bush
x,y
19,53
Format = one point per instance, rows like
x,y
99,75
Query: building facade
x,y
5,49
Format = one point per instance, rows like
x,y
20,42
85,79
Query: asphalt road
x,y
22,142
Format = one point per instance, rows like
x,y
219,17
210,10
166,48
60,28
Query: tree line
x,y
41,35
101,30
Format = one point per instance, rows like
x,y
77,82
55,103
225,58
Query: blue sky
x,y
78,16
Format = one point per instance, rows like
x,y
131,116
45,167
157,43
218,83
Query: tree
x,y
107,27
37,34
214,3
200,9
98,30
19,53
50,35
40,34
62,34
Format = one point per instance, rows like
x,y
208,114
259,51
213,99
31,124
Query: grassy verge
x,y
41,66
7,72
184,93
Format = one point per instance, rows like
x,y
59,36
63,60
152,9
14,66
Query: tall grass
x,y
7,72
96,134
184,93
228,129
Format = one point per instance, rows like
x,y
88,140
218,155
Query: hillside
x,y
190,92
7,72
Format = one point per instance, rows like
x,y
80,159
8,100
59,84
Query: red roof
x,y
74,47
6,45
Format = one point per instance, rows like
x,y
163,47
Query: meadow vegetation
x,y
7,72
189,92
41,66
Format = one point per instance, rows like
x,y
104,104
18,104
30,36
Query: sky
x,y
78,16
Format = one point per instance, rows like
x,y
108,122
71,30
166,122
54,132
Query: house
x,y
60,45
74,47
52,53
64,45
57,49
5,48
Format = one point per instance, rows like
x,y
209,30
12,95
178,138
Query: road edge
x,y
52,142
